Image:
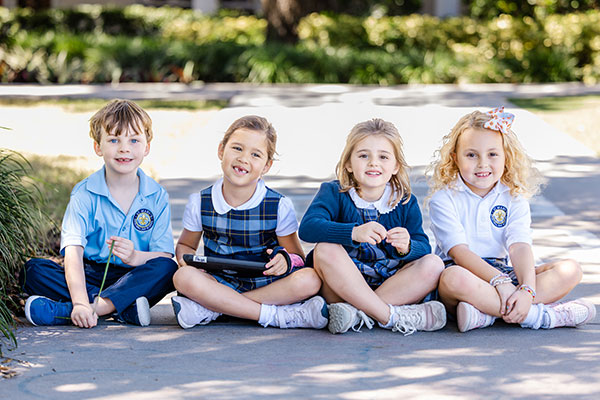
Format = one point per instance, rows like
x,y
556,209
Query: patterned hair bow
x,y
501,121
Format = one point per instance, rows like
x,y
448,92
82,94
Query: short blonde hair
x,y
400,181
521,177
117,116
254,123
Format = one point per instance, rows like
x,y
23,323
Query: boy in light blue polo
x,y
118,205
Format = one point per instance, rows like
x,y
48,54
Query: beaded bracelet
x,y
500,275
529,290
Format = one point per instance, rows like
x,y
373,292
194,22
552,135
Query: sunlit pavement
x,y
243,360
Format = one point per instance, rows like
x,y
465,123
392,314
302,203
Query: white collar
x,y
461,186
381,205
222,207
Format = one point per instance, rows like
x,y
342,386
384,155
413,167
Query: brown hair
x,y
117,116
400,181
255,123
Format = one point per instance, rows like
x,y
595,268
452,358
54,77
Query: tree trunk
x,y
283,17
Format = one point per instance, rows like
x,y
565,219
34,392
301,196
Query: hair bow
x,y
501,121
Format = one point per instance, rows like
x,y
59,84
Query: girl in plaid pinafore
x,y
372,254
240,218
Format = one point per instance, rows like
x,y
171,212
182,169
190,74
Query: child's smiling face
x,y
123,152
480,159
244,158
372,164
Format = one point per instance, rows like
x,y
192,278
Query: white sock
x,y
535,317
267,315
548,315
390,322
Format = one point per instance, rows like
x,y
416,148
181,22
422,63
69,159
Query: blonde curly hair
x,y
521,177
400,181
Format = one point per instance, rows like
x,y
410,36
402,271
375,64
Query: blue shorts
x,y
501,264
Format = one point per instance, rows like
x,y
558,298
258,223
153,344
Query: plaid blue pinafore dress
x,y
242,235
372,261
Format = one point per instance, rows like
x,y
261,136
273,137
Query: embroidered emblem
x,y
498,216
143,219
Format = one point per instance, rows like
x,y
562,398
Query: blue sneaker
x,y
137,314
40,310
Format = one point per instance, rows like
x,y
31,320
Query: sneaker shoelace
x,y
362,319
407,322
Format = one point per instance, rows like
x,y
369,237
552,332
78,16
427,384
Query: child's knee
x,y
183,277
454,280
327,253
569,270
305,282
431,267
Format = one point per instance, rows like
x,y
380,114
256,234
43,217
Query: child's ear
x,y
453,155
348,167
97,149
267,167
220,151
147,149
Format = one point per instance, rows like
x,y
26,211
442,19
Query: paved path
x,y
239,359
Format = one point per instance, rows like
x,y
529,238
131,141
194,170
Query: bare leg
x,y
341,278
459,284
555,280
205,290
411,283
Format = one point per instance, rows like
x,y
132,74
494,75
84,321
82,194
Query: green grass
x,y
54,178
92,104
557,103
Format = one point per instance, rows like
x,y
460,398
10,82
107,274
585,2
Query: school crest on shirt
x,y
498,216
143,219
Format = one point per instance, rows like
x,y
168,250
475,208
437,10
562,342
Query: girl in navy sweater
x,y
372,254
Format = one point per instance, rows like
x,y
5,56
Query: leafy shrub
x,y
173,45
20,231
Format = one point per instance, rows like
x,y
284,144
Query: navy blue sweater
x,y
332,215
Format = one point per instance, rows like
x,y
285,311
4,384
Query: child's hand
x,y
83,316
123,249
399,238
277,266
371,232
517,307
505,290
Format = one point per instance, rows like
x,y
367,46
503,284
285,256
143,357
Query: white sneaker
x,y
189,313
408,319
468,317
343,316
310,314
571,313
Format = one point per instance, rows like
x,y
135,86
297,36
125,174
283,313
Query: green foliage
x,y
93,44
20,230
486,9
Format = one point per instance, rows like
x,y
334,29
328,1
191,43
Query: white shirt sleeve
x,y
286,218
518,224
192,218
446,223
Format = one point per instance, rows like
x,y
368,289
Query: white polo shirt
x,y
286,216
488,225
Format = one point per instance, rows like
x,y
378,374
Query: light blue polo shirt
x,y
93,215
